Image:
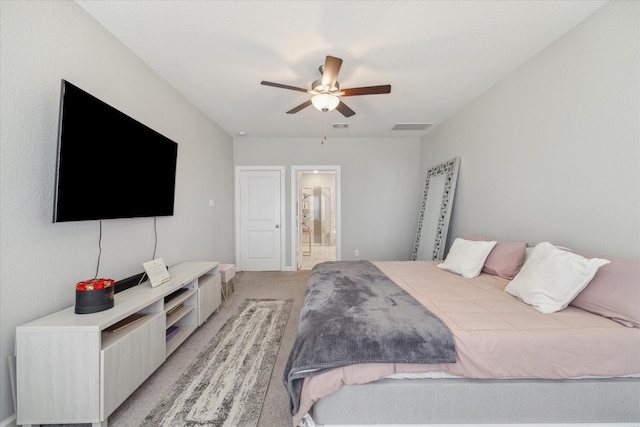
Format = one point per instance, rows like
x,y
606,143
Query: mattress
x,y
496,335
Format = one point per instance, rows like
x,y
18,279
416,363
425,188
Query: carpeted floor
x,y
248,285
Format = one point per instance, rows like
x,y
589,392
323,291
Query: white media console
x,y
78,368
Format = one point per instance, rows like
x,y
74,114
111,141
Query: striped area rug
x,y
227,383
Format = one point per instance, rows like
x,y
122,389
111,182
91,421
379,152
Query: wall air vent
x,y
412,126
341,125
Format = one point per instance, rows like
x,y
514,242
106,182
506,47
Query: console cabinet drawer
x,y
54,382
209,296
131,359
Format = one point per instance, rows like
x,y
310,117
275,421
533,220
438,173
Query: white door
x,y
259,202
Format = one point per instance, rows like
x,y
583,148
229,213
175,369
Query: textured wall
x,y
552,152
42,43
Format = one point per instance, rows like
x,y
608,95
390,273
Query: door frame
x,y
238,170
295,190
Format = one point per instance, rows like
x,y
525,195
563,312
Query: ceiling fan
x,y
326,90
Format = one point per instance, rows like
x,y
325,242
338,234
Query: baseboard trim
x,y
9,422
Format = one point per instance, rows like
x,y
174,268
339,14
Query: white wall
x,y
552,153
380,187
42,43
319,179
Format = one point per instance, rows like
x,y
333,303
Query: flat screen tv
x,y
109,165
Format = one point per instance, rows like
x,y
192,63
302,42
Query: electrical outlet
x,y
356,252
212,203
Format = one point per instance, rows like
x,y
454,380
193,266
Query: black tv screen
x,y
110,165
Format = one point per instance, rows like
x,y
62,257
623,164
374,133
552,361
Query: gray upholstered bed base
x,y
469,401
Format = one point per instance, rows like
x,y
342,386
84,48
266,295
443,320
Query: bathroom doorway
x,y
317,215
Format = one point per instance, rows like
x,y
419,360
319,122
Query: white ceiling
x,y
437,55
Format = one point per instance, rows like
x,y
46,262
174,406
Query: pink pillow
x,y
506,258
614,292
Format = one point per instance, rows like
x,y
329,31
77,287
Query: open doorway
x,y
317,215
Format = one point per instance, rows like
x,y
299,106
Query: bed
x,y
516,360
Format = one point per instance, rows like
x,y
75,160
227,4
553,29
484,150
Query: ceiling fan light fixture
x,y
325,102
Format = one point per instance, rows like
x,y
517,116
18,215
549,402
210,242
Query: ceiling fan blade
x,y
344,110
368,90
299,107
299,89
330,71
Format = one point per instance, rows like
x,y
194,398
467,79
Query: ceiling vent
x,y
412,126
341,125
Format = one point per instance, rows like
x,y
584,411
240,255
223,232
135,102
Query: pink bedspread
x,y
496,335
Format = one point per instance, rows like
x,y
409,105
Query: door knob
x,y
277,225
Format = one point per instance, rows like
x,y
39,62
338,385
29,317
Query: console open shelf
x,y
182,311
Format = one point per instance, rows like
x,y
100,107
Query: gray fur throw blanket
x,y
353,313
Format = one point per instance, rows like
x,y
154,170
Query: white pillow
x,y
551,277
466,257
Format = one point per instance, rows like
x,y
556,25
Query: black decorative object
x,y
94,295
